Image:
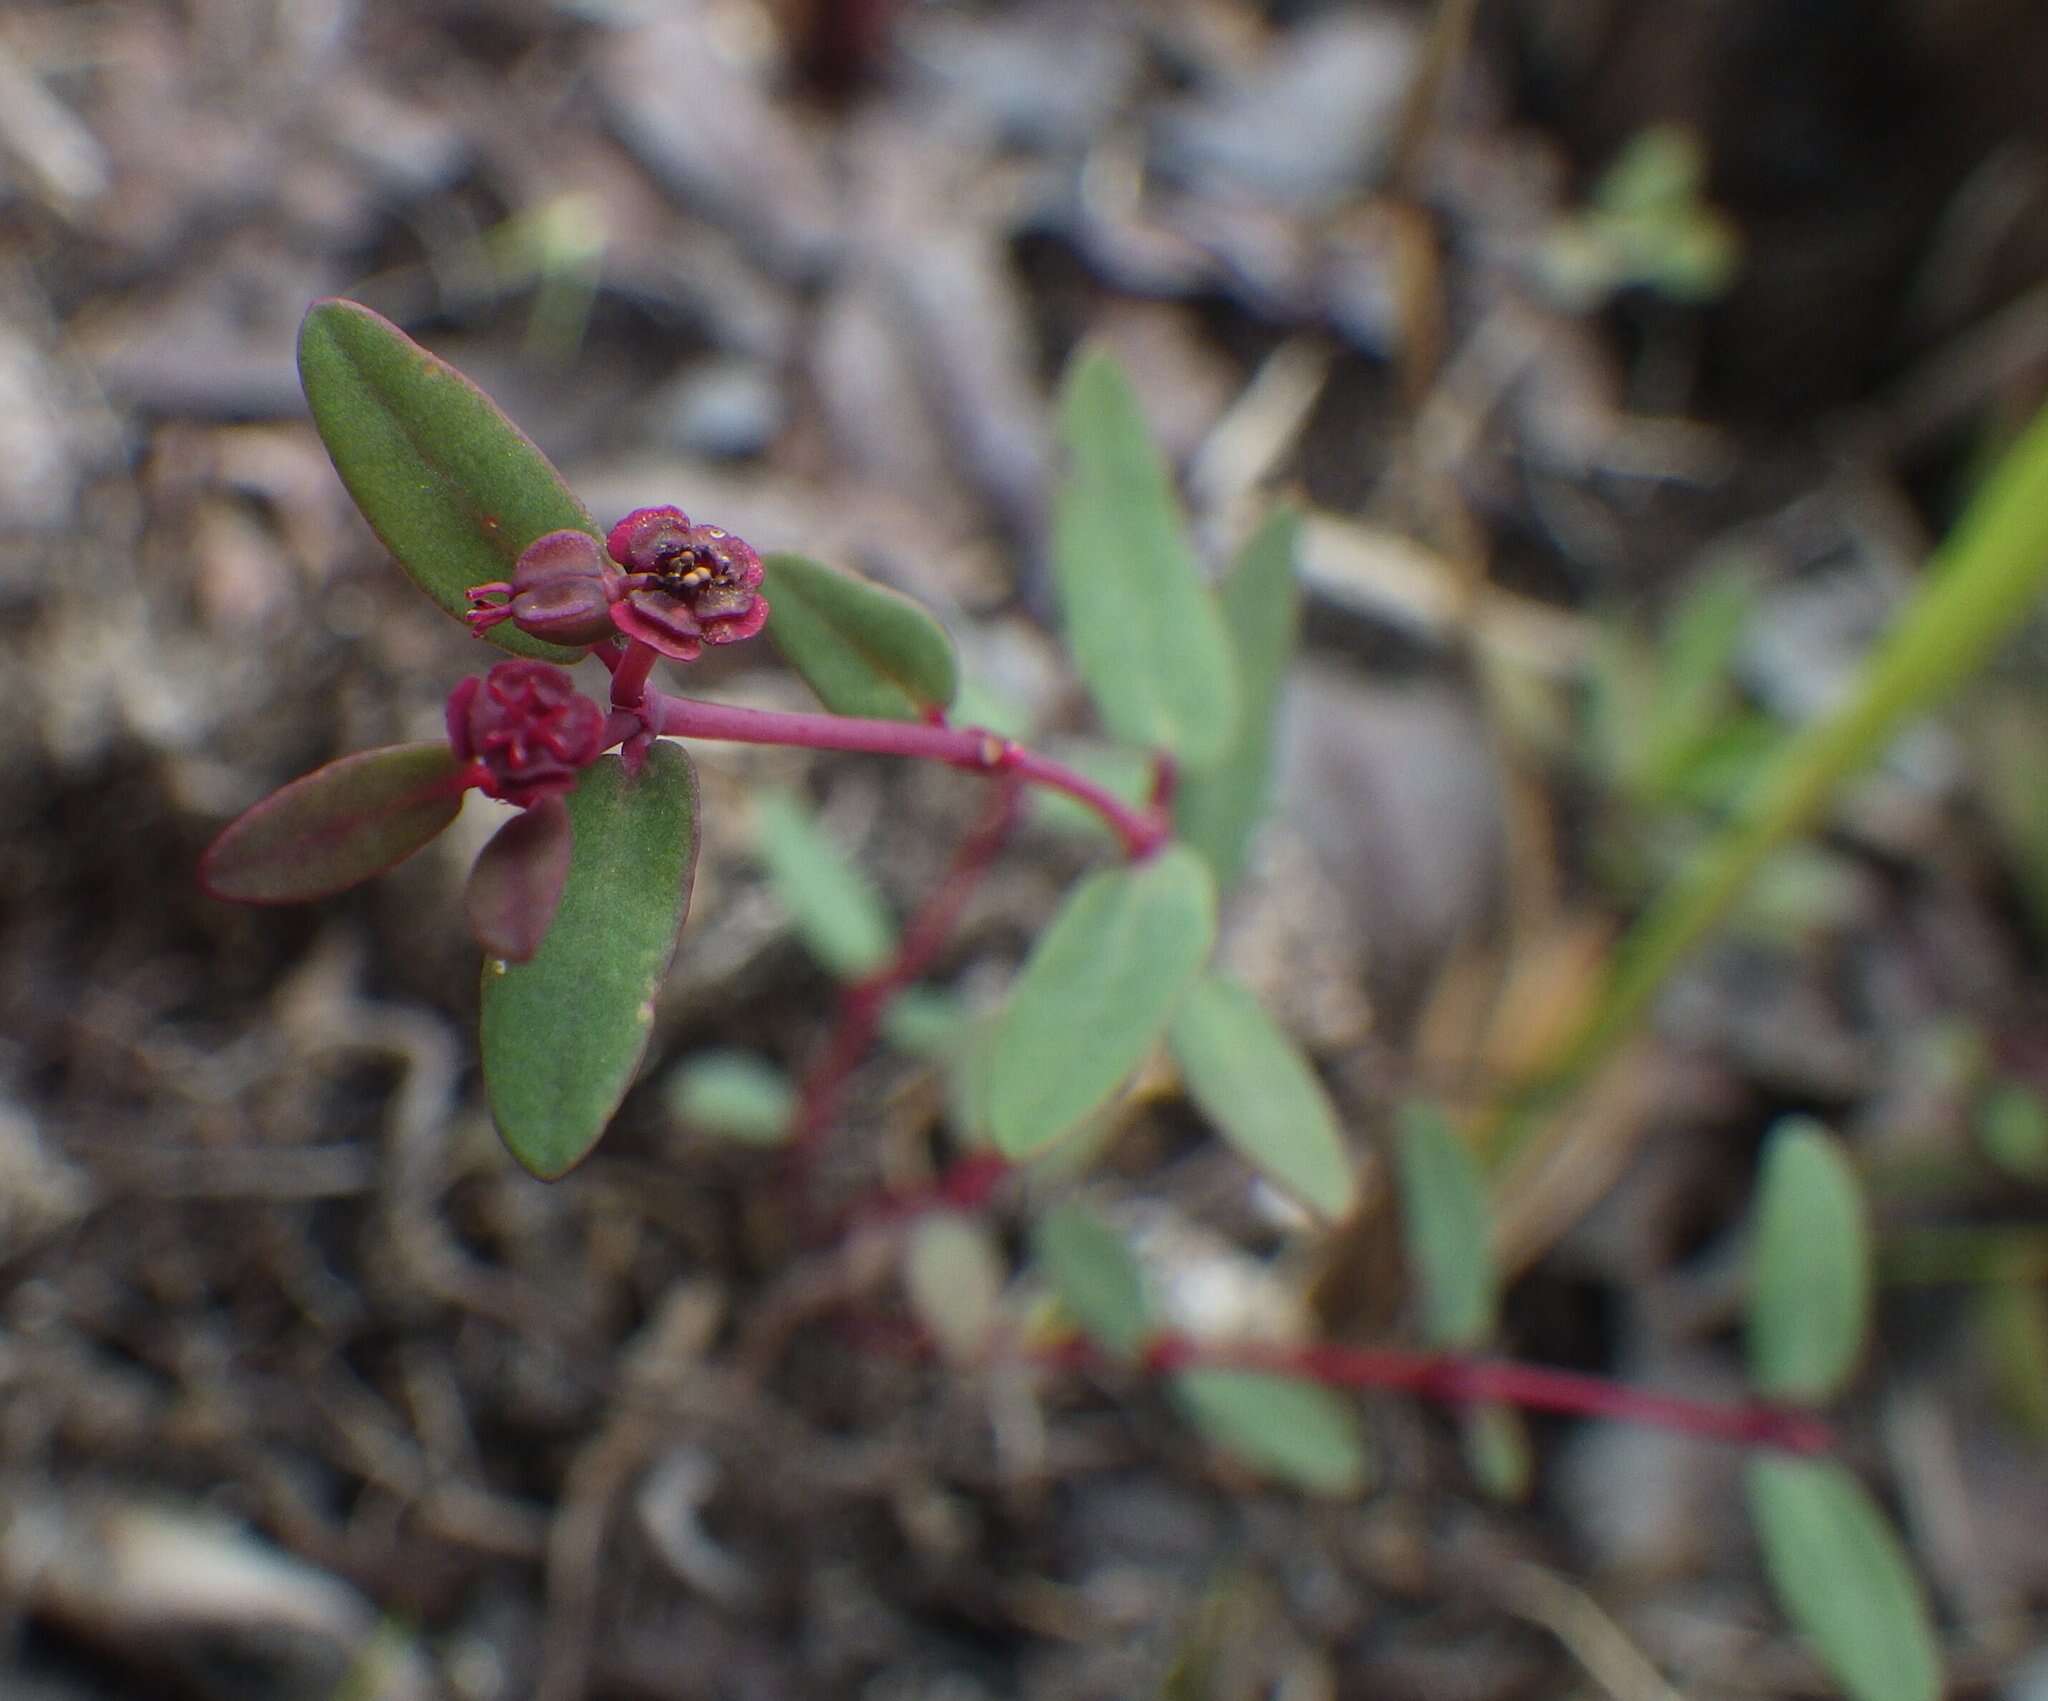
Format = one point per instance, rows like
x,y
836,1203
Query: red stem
x,y
629,675
1444,1378
863,1003
1452,1379
972,748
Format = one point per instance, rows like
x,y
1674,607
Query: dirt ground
x,y
306,1391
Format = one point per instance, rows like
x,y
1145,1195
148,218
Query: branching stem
x,y
973,748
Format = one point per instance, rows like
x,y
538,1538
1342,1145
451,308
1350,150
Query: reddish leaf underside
x,y
336,826
516,886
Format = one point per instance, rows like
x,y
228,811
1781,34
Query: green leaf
x,y
2011,1318
563,1033
1809,1302
2012,1127
864,649
1097,1279
1144,632
1095,994
1297,1431
836,911
733,1095
452,487
1692,696
1252,1082
927,1022
1444,1225
336,826
1495,1442
1216,809
1843,1579
954,1277
1974,595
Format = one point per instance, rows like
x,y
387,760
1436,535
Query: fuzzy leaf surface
x,y
1843,1578
1299,1432
563,1033
451,487
1144,631
1444,1222
1217,808
834,907
1098,1280
335,827
861,647
1251,1081
1095,994
1809,1304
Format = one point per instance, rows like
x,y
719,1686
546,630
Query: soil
x,y
307,1391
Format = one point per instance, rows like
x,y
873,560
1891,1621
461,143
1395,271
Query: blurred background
x,y
1626,357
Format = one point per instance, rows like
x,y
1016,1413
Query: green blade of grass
x,y
1981,583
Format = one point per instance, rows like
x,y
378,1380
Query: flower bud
x,y
528,726
561,590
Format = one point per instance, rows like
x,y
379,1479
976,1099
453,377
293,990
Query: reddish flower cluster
x,y
672,585
687,585
528,726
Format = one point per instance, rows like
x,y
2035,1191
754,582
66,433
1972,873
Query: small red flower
x,y
562,589
686,586
529,727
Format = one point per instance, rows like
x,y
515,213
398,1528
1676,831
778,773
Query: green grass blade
x,y
1982,582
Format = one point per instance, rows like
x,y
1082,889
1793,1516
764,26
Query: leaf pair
x,y
1833,1559
1285,1426
363,814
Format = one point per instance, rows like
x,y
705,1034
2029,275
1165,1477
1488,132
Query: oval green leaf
x,y
1444,1226
563,1033
1216,809
1843,1579
1252,1082
862,648
336,826
1809,1304
836,911
1097,1278
1299,1432
1095,994
953,1275
451,487
1144,631
732,1095
1495,1442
